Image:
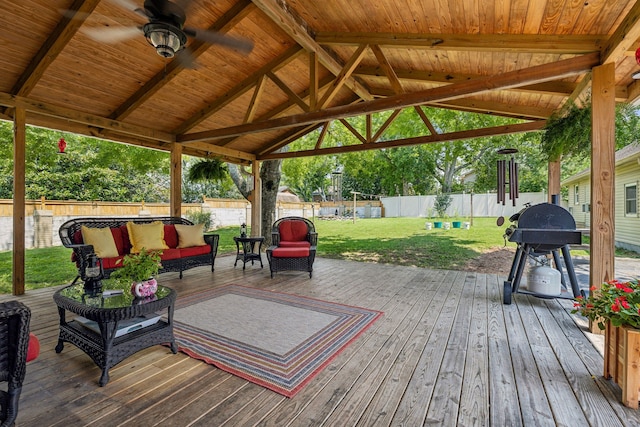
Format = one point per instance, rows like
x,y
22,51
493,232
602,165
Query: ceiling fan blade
x,y
130,5
111,34
239,43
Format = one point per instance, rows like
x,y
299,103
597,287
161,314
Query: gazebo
x,y
244,78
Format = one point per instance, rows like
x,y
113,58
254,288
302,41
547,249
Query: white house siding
x,y
627,226
580,210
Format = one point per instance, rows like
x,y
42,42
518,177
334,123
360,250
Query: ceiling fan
x,y
165,29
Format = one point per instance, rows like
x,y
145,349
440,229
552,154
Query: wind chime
x,y
512,167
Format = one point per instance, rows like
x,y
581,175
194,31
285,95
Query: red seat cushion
x,y
168,254
290,244
34,347
170,235
293,230
290,252
126,242
194,251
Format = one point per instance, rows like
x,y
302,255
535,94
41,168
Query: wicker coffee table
x,y
107,312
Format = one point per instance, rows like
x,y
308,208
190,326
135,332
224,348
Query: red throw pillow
x,y
117,238
34,347
170,235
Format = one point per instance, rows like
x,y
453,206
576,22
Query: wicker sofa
x,y
174,258
293,245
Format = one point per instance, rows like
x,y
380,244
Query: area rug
x,y
279,341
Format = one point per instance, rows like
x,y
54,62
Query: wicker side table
x,y
104,348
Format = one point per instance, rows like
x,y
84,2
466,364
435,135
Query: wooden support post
x,y
602,176
553,179
175,193
19,153
256,202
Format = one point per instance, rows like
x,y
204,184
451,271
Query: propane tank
x,y
544,280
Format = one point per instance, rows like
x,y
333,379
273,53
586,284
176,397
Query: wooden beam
x,y
429,139
175,191
353,130
313,81
255,100
557,87
536,43
602,245
553,179
495,108
289,137
196,48
514,78
625,36
388,70
287,90
66,28
385,125
299,30
342,76
237,91
19,161
425,119
77,116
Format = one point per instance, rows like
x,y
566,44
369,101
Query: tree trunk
x,y
270,174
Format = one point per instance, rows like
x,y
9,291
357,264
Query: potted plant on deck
x,y
138,272
615,308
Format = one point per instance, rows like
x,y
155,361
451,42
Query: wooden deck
x,y
446,352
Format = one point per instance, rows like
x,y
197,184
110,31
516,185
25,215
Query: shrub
x,y
442,203
200,217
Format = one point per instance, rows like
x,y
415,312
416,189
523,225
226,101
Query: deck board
x,y
445,352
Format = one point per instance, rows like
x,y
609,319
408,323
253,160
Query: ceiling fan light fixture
x,y
166,39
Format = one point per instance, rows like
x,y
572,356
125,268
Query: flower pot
x,y
428,225
622,361
456,224
437,224
143,289
446,225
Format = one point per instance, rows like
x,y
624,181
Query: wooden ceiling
x,y
313,62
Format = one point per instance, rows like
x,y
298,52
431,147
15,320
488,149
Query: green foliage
x,y
138,267
200,217
568,133
442,203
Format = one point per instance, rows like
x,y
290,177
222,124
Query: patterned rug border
x,y
284,374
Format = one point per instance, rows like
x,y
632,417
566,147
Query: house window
x,y
630,199
576,195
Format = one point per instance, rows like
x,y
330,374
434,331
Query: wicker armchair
x,y
293,245
14,343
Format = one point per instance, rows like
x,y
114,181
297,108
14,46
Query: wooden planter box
x,y
622,361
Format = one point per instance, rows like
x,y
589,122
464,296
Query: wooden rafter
x,y
255,100
342,76
550,71
238,90
196,48
353,130
386,125
627,33
287,90
473,42
299,31
425,119
313,80
323,134
289,137
494,108
429,139
69,23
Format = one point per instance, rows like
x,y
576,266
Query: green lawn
x,y
401,241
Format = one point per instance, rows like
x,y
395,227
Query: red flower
x,y
593,288
627,290
625,304
615,307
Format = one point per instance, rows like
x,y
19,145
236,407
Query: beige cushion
x,y
190,235
102,240
149,236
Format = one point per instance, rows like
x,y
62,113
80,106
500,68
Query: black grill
x,y
539,230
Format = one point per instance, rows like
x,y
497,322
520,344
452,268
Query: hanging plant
x,y
568,133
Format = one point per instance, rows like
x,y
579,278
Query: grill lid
x,y
546,216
